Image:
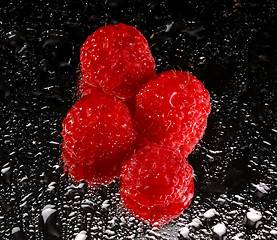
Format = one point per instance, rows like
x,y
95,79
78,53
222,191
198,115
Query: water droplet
x,y
18,234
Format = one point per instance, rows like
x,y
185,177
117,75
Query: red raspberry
x,y
193,138
172,110
97,132
117,58
156,184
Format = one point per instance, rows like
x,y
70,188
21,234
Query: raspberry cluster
x,y
135,124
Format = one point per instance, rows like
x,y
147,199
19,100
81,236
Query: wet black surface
x,y
228,45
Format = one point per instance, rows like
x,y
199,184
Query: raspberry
x,y
97,134
172,109
156,184
85,88
118,59
193,138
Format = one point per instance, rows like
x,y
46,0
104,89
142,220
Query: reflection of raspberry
x,y
117,58
156,184
172,110
97,133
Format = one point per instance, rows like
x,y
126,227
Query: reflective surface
x,y
231,47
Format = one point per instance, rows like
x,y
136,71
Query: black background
x,y
229,45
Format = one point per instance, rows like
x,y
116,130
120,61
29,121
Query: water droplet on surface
x,y
253,218
6,172
16,41
56,49
18,234
82,236
50,222
184,233
210,213
260,189
219,230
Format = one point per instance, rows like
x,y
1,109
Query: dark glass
x,y
229,45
